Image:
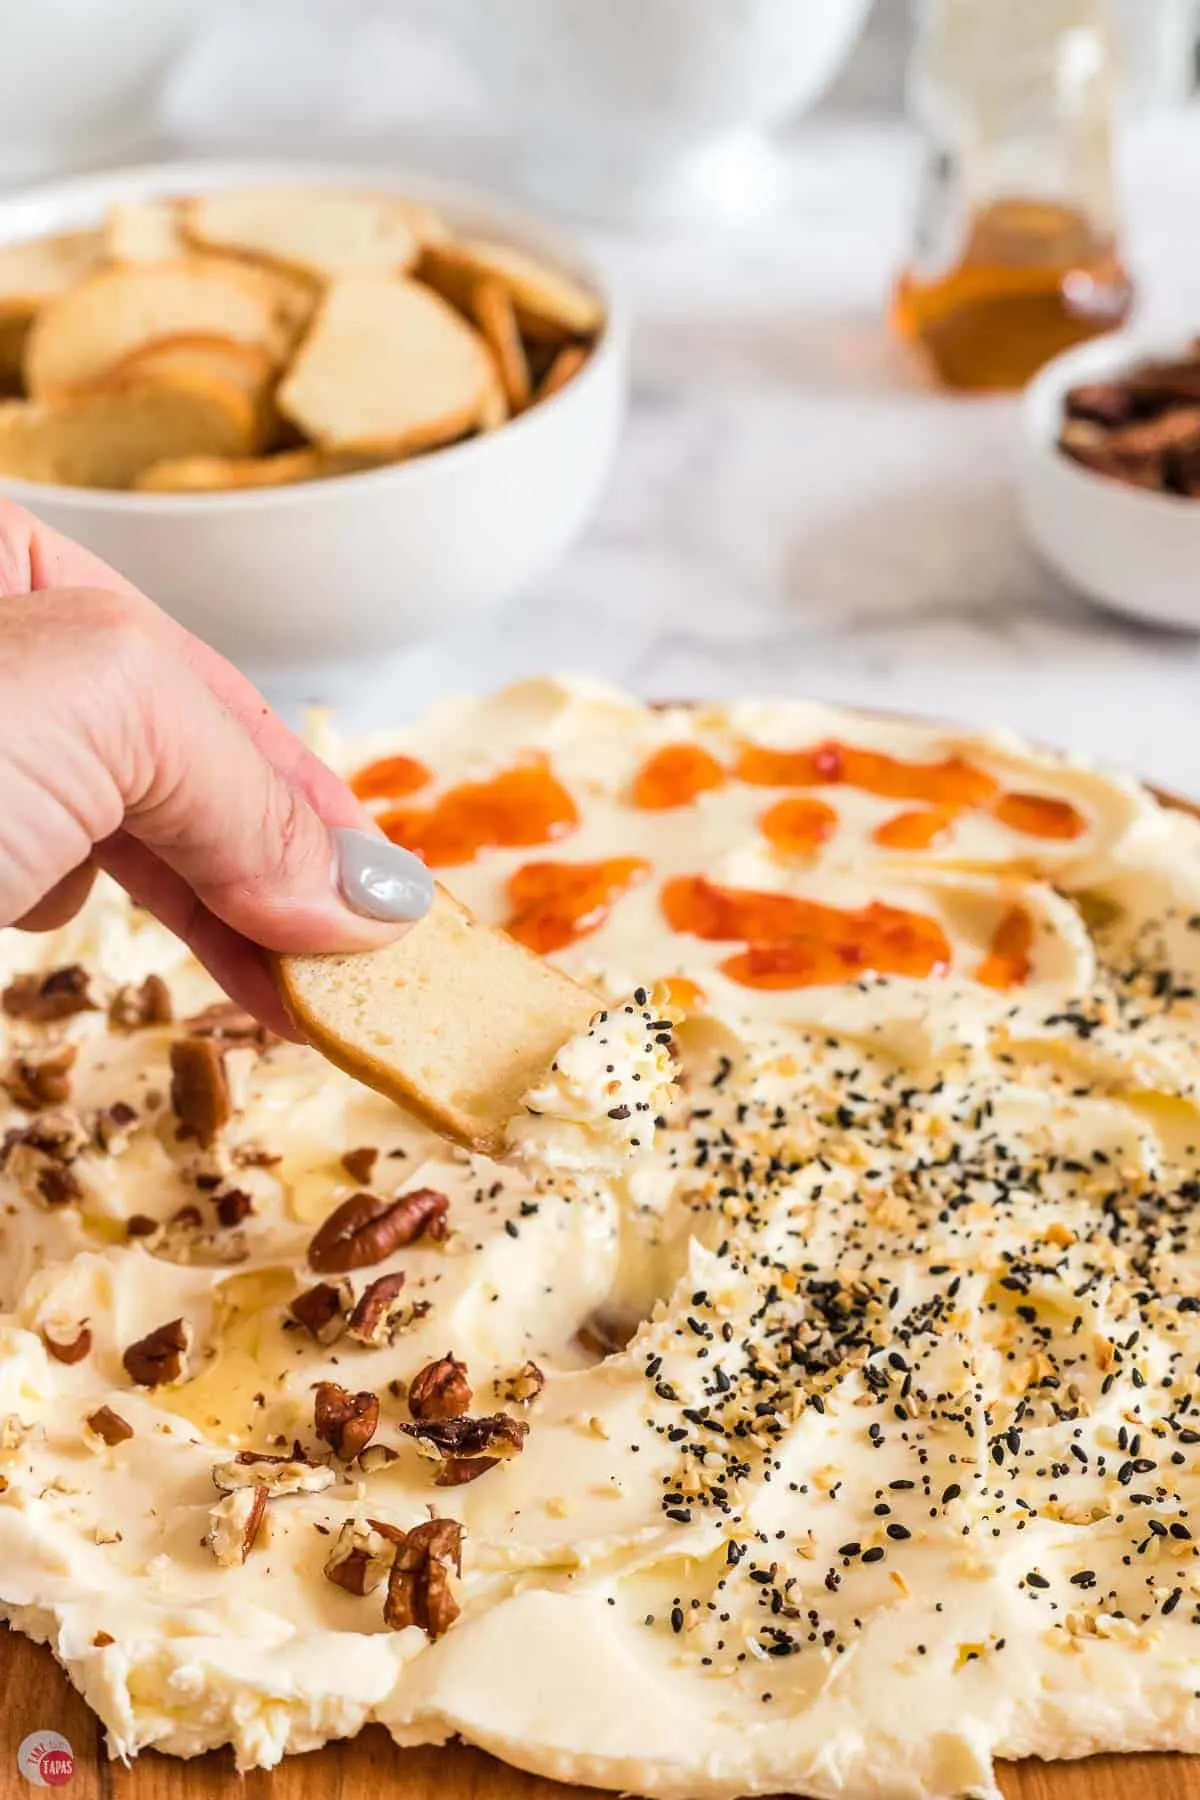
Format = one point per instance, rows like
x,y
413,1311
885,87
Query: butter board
x,y
35,1695
38,1697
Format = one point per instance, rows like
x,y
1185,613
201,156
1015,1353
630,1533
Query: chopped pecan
x,y
109,1426
322,1310
456,1471
132,1007
359,1163
376,1457
70,1346
44,999
1101,402
139,1225
38,1157
363,1230
346,1422
33,1082
234,1523
292,1474
253,1156
229,1023
200,1097
453,1442
112,1125
440,1390
378,1310
362,1555
102,1639
234,1205
419,1591
523,1385
58,1135
159,1357
58,1187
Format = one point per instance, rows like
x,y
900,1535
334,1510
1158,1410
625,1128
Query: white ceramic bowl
x,y
651,108
1125,547
336,570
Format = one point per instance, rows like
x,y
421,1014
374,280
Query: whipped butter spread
x,y
841,1439
599,1106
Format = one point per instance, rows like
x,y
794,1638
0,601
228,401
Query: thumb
x,y
249,842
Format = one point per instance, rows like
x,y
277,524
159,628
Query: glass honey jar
x,y
1015,253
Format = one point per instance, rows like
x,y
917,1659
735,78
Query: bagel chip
x,y
105,438
455,1020
86,332
320,233
387,367
545,299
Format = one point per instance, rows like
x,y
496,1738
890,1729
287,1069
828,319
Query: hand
x,y
127,744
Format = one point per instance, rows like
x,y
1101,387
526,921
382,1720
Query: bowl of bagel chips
x,y
313,413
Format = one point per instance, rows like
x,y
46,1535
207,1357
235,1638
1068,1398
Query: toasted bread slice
x,y
388,366
566,365
14,329
144,231
33,272
87,331
541,295
292,298
214,474
106,438
250,367
494,410
318,232
497,320
455,1021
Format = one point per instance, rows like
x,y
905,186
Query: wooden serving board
x,y
38,1697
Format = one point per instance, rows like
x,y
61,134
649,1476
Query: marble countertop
x,y
794,510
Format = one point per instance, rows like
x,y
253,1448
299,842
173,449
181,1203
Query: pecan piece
x,y
33,1082
159,1357
234,1523
440,1390
234,1205
140,1225
44,999
70,1347
494,1437
346,1422
376,1457
456,1471
58,1187
109,1426
131,1008
364,1230
523,1385
419,1591
112,1125
379,1310
200,1097
359,1163
362,1555
39,1157
292,1474
322,1310
230,1023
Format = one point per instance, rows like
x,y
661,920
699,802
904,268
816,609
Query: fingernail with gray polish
x,y
381,880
